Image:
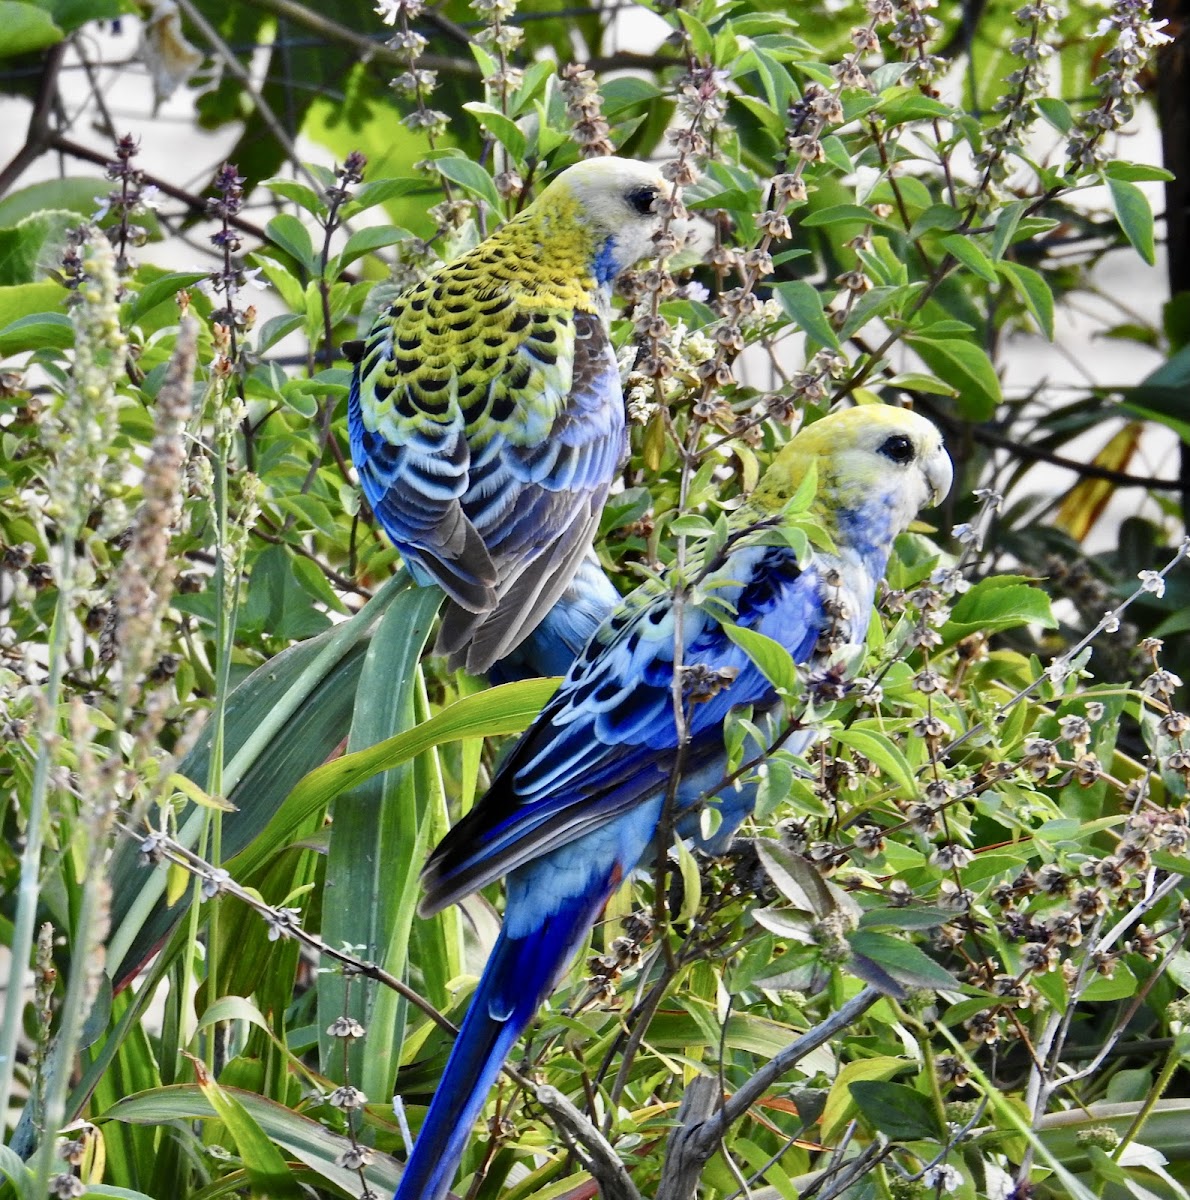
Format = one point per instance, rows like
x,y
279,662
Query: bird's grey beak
x,y
939,475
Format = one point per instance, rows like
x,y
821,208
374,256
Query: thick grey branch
x,y
690,1148
600,1158
684,1162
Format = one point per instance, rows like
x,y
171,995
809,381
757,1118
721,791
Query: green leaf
x,y
38,331
769,119
881,750
1006,227
996,603
1137,172
234,1008
691,883
159,291
841,214
471,177
1031,287
27,300
800,882
626,94
913,106
381,191
913,381
509,708
840,1103
700,37
72,14
33,247
967,251
301,194
803,302
276,328
77,195
936,216
308,1141
899,1112
775,662
731,199
283,720
365,241
505,130
19,1175
263,1162
905,918
378,847
875,303
26,28
1056,112
967,368
1135,215
902,960
1160,396
286,231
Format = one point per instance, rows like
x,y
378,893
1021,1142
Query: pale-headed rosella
x,y
578,802
486,415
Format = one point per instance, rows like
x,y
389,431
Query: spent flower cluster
x,y
127,202
81,431
415,81
501,39
912,32
147,576
1136,37
226,283
584,110
1028,84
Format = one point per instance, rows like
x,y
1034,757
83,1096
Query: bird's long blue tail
x,y
520,973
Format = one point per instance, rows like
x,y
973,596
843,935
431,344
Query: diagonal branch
x,y
598,1155
688,1153
39,136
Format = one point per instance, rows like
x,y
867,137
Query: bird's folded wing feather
x,y
608,738
485,431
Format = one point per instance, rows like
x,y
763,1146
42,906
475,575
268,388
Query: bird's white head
x,y
616,201
877,466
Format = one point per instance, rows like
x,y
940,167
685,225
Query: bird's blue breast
x,y
606,266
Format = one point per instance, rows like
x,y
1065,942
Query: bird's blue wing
x,y
608,738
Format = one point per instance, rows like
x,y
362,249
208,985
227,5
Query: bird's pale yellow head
x,y
613,201
876,465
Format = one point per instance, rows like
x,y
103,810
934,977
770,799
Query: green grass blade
x,y
304,1139
284,719
500,710
374,852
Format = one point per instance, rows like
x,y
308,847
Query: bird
x,y
486,416
578,802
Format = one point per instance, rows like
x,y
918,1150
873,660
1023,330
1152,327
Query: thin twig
x,y
233,64
39,136
688,1155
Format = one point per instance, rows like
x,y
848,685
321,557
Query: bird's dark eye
x,y
898,448
642,199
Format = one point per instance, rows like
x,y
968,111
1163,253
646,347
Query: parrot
x,y
486,416
578,802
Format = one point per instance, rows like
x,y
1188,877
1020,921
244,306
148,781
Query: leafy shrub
x,y
950,961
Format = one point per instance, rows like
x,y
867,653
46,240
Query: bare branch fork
x,y
702,1123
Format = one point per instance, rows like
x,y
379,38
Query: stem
x,y
1172,1061
225,606
86,959
28,889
